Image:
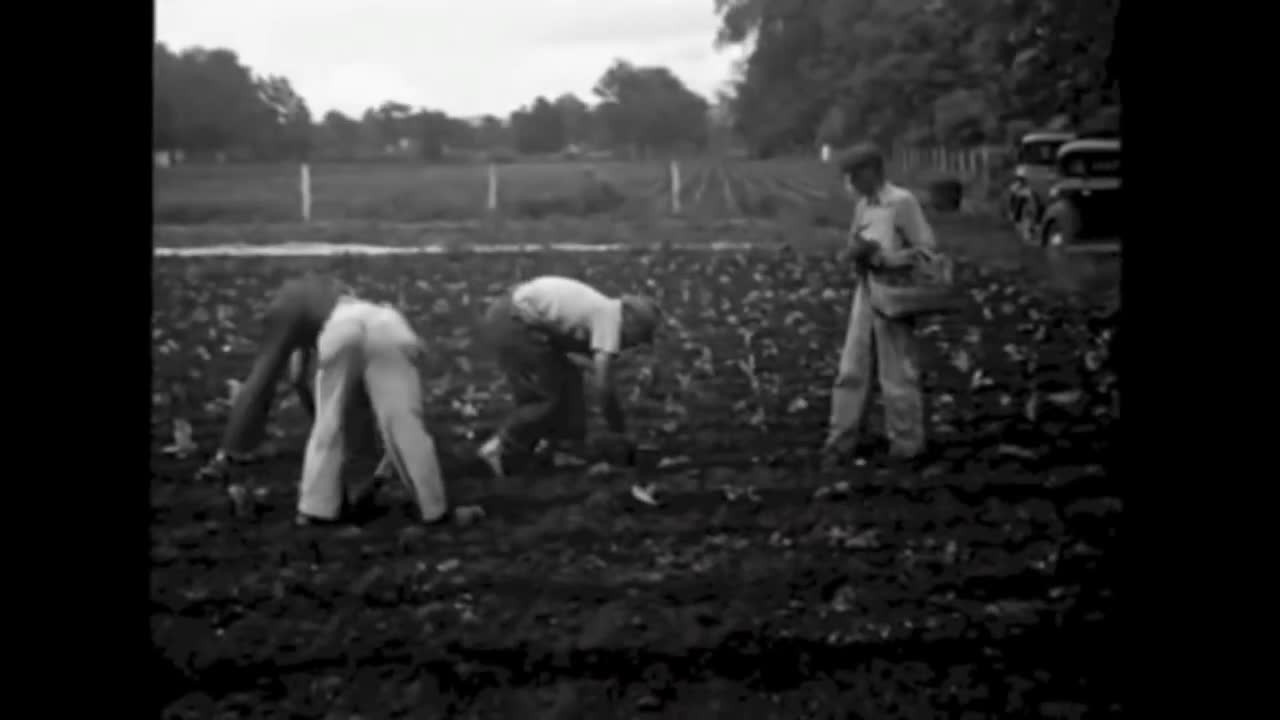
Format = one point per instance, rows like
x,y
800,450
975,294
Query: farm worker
x,y
535,328
370,346
888,223
292,323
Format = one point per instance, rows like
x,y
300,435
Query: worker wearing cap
x,y
535,328
888,226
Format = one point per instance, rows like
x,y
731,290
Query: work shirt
x,y
892,218
582,318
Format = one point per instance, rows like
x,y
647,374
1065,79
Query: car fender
x,y
1063,214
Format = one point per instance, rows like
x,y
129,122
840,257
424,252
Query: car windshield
x,y
1092,165
1043,152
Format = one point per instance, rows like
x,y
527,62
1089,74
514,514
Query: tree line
x,y
923,72
207,103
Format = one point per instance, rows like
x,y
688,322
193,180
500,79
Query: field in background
x,y
801,189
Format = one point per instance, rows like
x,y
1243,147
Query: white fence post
x,y
492,198
304,185
675,187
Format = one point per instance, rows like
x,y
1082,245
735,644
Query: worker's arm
x,y
301,376
909,220
607,393
857,248
605,343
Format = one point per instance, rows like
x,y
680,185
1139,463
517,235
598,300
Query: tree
x,y
166,134
338,135
575,119
493,133
390,123
214,100
206,101
936,71
649,108
285,125
436,132
538,128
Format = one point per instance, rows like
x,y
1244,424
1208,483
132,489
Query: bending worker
x,y
535,328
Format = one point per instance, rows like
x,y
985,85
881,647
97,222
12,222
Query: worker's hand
x,y
223,466
216,470
862,250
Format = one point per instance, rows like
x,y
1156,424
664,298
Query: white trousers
x,y
373,344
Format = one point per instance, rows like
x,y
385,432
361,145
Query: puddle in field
x,y
321,249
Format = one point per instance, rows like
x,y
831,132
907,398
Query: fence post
x,y
491,201
304,186
675,187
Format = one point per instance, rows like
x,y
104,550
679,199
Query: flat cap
x,y
858,156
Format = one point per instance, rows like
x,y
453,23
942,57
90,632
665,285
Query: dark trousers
x,y
248,419
547,386
291,323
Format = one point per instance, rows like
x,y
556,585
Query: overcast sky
x,y
466,57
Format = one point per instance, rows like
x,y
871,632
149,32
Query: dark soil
x,y
979,585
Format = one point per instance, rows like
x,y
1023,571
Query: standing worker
x,y
888,229
535,328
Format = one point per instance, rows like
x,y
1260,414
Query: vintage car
x,y
1084,211
1035,172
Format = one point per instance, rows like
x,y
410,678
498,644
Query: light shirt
x,y
893,219
572,310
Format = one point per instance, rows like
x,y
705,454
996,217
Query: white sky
x,y
466,57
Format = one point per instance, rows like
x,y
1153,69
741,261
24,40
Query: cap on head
x,y
640,319
863,155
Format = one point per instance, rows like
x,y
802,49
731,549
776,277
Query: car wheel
x,y
1052,237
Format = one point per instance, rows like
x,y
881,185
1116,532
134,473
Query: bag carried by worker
x,y
926,288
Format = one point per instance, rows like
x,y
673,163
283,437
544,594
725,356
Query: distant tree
x,y
437,131
493,133
538,128
649,109
338,135
205,100
575,119
164,99
285,124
